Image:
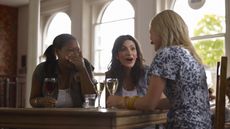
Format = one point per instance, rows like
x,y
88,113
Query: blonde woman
x,y
177,71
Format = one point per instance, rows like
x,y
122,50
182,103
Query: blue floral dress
x,y
186,88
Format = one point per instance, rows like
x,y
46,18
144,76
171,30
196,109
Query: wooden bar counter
x,y
77,118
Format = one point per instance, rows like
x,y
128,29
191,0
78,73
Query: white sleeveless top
x,y
64,99
129,92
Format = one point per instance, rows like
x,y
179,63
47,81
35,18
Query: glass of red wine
x,y
49,86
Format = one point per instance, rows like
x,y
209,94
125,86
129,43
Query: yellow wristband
x,y
126,98
131,101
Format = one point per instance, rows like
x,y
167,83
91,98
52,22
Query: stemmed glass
x,y
49,86
111,85
99,87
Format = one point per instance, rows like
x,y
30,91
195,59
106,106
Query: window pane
x,y
209,18
118,9
61,23
210,50
105,37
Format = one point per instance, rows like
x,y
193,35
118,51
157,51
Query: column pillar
x,y
32,51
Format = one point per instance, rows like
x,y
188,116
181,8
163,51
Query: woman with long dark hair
x,y
127,65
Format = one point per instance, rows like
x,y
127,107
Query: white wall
x,y
22,34
145,10
81,24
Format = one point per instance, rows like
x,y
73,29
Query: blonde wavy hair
x,y
173,31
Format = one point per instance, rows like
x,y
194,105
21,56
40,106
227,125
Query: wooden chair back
x,y
221,82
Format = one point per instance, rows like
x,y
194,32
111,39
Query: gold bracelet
x,y
126,98
131,102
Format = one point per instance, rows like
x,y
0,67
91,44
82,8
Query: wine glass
x,y
49,86
99,87
111,85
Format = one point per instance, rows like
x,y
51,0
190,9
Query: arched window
x,y
59,24
117,19
206,24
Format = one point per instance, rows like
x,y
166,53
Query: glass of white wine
x,y
99,87
111,85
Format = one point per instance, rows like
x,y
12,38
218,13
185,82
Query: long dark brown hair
x,y
117,70
51,58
